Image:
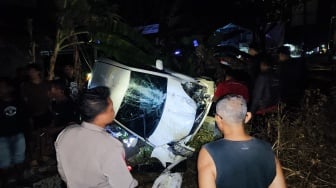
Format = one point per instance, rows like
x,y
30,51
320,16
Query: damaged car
x,y
158,111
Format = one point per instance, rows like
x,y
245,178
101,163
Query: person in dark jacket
x,y
253,62
265,92
292,77
63,108
12,139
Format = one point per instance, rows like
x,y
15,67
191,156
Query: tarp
x,y
231,35
274,35
238,36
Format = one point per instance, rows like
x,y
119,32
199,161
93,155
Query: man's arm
x,y
279,180
206,170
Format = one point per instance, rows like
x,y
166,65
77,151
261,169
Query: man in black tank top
x,y
237,160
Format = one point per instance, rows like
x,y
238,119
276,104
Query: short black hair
x,y
92,102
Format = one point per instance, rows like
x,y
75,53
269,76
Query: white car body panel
x,y
162,108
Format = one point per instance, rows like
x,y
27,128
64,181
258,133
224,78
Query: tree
x,y
117,39
69,15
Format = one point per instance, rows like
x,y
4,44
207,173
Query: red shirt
x,y
232,87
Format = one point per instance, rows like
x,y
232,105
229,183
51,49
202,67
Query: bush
x,y
300,140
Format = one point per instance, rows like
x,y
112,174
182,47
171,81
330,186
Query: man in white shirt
x,y
87,155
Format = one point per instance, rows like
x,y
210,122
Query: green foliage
x,y
119,40
205,134
142,157
124,44
72,13
123,51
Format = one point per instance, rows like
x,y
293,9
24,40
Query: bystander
x,y
87,155
237,160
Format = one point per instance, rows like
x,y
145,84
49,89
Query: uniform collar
x,y
93,127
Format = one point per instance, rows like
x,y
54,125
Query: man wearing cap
x,y
87,155
231,85
237,160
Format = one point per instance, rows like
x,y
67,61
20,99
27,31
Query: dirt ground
x,y
189,180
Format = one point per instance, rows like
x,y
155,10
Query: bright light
x,y
295,51
130,141
195,43
310,52
223,62
291,47
177,52
88,76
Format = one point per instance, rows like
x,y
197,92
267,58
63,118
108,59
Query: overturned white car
x,y
158,110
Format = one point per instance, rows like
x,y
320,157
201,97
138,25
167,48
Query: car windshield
x,y
143,103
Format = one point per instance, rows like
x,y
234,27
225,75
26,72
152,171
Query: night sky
x,y
175,17
197,16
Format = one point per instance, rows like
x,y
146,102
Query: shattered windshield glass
x,y
142,106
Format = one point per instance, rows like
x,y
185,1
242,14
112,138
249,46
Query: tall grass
x,y
300,140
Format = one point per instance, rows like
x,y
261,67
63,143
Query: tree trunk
x,y
77,66
53,61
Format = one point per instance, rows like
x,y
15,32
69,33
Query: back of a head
x,y
93,102
232,108
68,70
34,71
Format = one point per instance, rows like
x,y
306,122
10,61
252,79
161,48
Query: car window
x,y
142,106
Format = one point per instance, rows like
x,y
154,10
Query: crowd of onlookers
x,y
239,159
270,79
32,112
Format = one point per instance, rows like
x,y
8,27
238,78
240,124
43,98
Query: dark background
x,y
307,21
